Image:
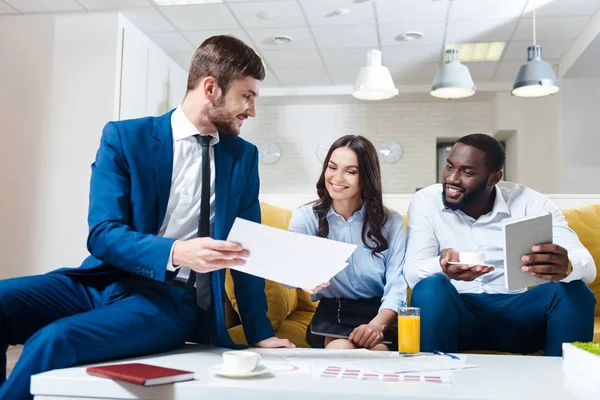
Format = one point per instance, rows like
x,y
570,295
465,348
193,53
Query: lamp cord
x,y
534,37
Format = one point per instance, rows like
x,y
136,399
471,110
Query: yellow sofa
x,y
290,310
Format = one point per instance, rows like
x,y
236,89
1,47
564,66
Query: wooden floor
x,y
12,355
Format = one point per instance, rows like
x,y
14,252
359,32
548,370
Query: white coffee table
x,y
498,377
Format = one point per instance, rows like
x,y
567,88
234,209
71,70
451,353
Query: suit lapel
x,y
163,162
223,173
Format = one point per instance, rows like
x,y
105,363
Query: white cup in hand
x,y
241,361
472,258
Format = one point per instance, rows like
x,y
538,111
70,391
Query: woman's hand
x,y
317,289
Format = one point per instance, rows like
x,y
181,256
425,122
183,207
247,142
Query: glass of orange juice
x,y
409,330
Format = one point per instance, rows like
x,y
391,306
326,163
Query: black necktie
x,y
203,281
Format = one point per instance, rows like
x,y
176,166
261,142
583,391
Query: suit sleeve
x,y
110,239
249,289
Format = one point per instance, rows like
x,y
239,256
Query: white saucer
x,y
220,370
469,265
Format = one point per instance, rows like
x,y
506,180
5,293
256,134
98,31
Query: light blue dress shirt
x,y
433,228
366,276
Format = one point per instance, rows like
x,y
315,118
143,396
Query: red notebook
x,y
141,374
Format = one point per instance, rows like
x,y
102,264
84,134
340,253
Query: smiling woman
x,y
359,304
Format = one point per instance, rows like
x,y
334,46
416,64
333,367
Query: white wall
x,y
61,82
580,135
151,83
536,123
82,100
26,52
298,129
543,150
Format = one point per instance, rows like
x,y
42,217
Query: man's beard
x,y
467,200
221,119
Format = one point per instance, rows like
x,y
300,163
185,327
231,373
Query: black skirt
x,y
339,317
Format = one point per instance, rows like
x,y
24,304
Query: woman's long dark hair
x,y
369,172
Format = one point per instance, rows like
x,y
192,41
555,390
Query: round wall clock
x,y
269,152
390,151
322,150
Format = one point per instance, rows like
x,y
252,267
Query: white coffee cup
x,y
472,258
240,361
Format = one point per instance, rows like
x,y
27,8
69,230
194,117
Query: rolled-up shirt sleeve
x,y
581,260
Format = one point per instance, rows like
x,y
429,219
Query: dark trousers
x,y
64,321
542,318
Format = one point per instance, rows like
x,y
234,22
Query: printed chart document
x,y
361,364
290,258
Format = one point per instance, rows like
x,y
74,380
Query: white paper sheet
x,y
290,258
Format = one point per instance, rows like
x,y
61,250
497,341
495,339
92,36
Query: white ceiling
x,y
329,50
587,64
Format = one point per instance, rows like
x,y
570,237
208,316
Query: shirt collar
x,y
500,205
358,215
183,128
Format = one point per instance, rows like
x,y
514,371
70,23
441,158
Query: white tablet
x,y
519,237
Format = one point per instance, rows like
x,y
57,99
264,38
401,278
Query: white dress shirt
x,y
183,208
433,228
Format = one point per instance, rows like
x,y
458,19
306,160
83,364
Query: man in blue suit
x,y
164,194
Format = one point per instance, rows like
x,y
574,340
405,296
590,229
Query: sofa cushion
x,y
292,329
305,303
585,221
274,216
281,301
237,335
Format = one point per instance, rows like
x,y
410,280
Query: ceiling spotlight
x,y
281,39
268,15
408,36
340,12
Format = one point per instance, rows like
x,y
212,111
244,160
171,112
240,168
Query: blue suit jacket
x,y
130,186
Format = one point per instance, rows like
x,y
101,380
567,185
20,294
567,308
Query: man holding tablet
x,y
467,307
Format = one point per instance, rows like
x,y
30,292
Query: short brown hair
x,y
225,58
